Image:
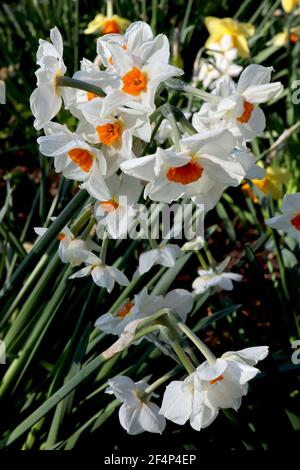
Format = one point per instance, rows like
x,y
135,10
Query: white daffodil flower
x,y
138,41
74,157
46,99
70,249
142,65
224,382
201,170
107,81
109,123
215,278
137,413
237,107
143,305
194,244
165,256
103,275
116,211
289,221
183,401
225,47
220,65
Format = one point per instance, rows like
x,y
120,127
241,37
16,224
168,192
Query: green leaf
x,y
209,320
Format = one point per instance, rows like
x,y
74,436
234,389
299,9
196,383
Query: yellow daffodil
x,y
273,182
289,5
282,39
238,33
107,25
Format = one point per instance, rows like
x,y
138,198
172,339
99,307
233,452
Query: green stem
x,y
186,18
39,247
154,132
79,85
180,85
208,254
57,397
104,246
209,356
146,331
109,8
183,357
25,288
41,284
43,182
88,229
203,263
153,243
154,16
176,135
76,35
19,366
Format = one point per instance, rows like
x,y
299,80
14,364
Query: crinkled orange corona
x,y
186,174
134,82
90,96
111,27
293,37
124,311
109,133
82,158
217,379
248,108
109,206
295,221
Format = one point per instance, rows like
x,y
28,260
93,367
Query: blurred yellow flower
x,y
273,182
238,33
107,24
281,39
289,5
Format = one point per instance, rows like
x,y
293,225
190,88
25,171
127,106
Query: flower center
x,y
55,82
186,174
110,27
295,221
125,310
109,206
249,191
82,158
217,379
109,133
90,96
61,236
248,108
293,37
134,82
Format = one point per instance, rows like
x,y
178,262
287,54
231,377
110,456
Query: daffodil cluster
x,y
115,109
215,385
